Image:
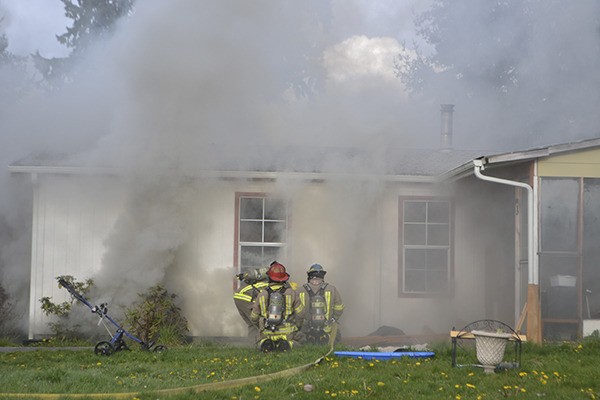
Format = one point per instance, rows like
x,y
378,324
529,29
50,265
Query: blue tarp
x,y
376,355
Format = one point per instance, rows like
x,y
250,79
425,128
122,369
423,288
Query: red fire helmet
x,y
277,272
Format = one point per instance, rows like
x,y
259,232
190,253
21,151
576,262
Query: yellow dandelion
x,y
457,386
98,363
380,383
354,391
505,387
523,390
544,381
458,397
556,374
257,388
470,385
471,374
417,363
522,373
333,394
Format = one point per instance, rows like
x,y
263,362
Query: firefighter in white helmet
x,y
323,304
277,312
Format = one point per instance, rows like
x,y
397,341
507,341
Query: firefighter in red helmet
x,y
277,312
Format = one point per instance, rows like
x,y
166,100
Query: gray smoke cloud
x,y
185,86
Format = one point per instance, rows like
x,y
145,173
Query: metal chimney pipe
x,y
446,132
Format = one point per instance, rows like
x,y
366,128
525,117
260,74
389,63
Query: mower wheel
x,y
121,345
159,348
104,349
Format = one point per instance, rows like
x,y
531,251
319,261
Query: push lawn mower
x,y
117,342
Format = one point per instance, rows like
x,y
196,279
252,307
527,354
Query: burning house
x,y
417,239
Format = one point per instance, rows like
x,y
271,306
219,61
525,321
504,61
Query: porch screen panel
x,y
425,251
591,248
560,257
558,215
262,230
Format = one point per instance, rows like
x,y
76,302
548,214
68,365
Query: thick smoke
x,y
186,86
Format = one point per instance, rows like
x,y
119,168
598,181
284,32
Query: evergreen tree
x,y
93,20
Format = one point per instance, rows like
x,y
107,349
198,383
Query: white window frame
x,y
403,290
239,244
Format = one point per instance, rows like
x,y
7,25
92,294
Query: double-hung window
x,y
261,230
425,247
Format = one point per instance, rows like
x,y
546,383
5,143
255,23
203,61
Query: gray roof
x,y
318,162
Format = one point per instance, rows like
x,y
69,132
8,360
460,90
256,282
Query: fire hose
x,y
205,387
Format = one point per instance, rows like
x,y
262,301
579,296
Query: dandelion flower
x,y
470,385
380,383
257,388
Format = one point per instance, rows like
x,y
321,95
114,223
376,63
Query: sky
x,y
32,25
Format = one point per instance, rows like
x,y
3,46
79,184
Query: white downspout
x,y
532,267
534,329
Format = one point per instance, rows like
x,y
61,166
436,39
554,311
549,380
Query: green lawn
x,y
552,371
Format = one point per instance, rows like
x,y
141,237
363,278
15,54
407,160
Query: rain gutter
x,y
532,264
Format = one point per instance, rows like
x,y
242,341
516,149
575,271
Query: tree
x,y
522,66
93,20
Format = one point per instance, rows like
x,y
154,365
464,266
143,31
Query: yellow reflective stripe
x,y
285,328
328,302
288,305
263,305
338,307
303,298
244,297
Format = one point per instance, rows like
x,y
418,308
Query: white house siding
x,y
349,226
71,218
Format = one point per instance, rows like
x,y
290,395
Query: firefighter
x,y
277,312
323,304
255,280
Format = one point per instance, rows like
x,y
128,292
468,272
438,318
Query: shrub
x,y
157,315
62,327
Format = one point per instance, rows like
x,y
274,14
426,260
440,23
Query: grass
x,y
552,371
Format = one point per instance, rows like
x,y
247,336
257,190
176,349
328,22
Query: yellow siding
x,y
581,164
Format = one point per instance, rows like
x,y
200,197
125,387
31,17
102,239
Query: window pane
x,y
414,234
437,259
415,211
559,201
437,281
274,209
415,259
275,232
251,208
415,281
251,257
250,231
271,254
438,235
438,211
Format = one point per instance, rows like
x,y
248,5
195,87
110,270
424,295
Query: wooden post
x,y
521,318
534,320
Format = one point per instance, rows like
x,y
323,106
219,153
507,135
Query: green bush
x,y
157,315
62,327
